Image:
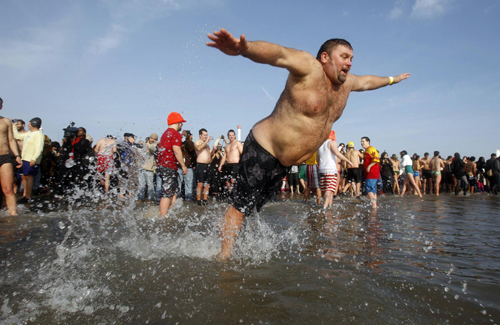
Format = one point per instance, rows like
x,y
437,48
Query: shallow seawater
x,y
412,261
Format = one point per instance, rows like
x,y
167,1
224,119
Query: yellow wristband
x,y
391,80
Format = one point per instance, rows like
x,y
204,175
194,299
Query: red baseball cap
x,y
175,117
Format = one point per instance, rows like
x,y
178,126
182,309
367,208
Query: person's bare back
x,y
426,161
436,164
354,157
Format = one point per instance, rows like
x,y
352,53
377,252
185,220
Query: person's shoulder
x,y
6,120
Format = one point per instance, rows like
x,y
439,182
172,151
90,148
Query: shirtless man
x,y
426,172
7,145
203,160
436,165
105,150
20,125
232,158
353,174
470,169
315,96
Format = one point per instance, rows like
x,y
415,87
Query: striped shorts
x,y
328,182
312,176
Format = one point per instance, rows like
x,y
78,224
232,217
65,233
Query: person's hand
x,y
350,163
19,162
368,169
401,77
184,170
32,163
227,43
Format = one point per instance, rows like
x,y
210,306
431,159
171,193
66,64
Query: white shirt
x,y
327,159
406,161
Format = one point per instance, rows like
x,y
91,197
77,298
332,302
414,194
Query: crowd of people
x,y
314,97
138,170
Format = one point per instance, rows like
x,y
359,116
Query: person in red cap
x,y
328,172
314,97
169,153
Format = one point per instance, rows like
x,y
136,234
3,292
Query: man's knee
x,y
7,190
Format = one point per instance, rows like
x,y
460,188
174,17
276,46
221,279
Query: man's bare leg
x,y
107,178
328,199
307,191
165,204
7,180
233,221
199,187
318,194
437,181
205,192
373,199
29,180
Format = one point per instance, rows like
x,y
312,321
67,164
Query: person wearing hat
x,y
31,155
169,153
189,155
353,174
328,172
146,173
371,167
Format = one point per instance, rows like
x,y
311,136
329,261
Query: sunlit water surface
x,y
413,261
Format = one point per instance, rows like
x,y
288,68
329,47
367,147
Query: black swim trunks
x,y
353,175
426,174
260,176
231,171
203,174
6,159
170,184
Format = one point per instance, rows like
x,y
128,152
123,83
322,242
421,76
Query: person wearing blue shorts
x,y
372,170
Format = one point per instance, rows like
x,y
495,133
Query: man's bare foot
x,y
221,257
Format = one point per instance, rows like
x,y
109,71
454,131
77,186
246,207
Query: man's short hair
x,y
436,153
366,139
493,155
472,158
1,100
426,154
202,130
404,153
36,122
84,130
231,130
22,122
332,43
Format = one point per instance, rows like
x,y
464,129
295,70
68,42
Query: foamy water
x,y
431,260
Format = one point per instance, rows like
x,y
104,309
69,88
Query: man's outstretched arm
x,y
299,63
362,83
